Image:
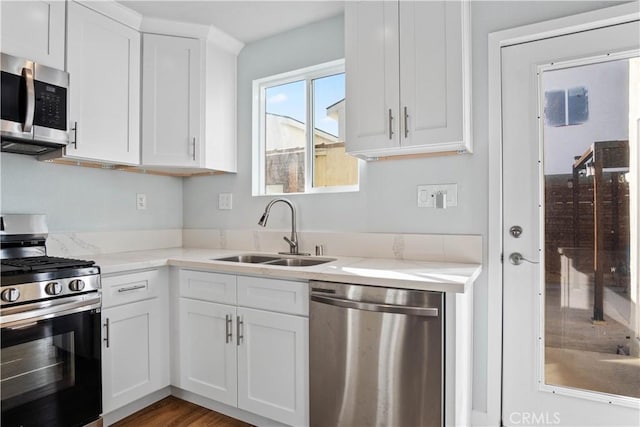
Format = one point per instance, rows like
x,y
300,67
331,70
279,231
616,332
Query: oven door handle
x,y
30,313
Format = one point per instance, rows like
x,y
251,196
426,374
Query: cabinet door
x,y
135,352
208,365
104,67
273,365
433,70
171,101
220,148
34,30
372,75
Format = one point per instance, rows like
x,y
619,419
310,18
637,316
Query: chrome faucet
x,y
293,240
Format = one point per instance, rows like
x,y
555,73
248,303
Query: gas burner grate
x,y
41,263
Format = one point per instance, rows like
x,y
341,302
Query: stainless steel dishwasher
x,y
376,356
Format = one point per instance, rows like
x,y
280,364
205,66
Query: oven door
x,y
51,372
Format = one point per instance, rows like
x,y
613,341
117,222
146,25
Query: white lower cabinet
x,y
208,350
251,358
135,347
272,365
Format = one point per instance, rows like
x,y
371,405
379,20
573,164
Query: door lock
x,y
515,231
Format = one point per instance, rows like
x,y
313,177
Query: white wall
x,y
608,93
84,199
386,201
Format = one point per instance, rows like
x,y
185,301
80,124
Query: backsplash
x,y
104,242
430,247
424,247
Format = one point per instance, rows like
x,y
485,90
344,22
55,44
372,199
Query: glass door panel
x,y
591,312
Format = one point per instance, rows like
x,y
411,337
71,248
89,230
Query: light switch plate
x,y
427,195
225,201
141,201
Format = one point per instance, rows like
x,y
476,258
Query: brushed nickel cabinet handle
x,y
239,330
228,328
390,124
75,135
106,334
406,123
132,288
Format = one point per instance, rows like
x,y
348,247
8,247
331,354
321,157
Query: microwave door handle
x,y
27,74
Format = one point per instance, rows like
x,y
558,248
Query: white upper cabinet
x,y
104,66
34,30
220,104
188,104
408,76
171,99
372,75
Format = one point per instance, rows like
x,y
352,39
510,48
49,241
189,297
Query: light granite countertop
x,y
394,273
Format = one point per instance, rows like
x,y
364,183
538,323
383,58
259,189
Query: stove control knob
x,y
53,288
76,285
10,295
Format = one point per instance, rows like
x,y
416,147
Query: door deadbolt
x,y
515,231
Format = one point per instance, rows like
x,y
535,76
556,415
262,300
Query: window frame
x,y
308,74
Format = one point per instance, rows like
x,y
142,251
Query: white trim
x,y
581,22
115,11
173,28
224,40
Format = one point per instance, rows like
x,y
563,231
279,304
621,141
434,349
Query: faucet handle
x,y
292,244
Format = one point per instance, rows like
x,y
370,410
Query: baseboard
x,y
227,410
133,407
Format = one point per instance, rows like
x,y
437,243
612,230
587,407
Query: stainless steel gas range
x,y
50,331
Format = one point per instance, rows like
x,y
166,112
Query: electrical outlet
x,y
427,195
141,201
225,201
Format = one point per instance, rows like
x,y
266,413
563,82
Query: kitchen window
x,y
298,133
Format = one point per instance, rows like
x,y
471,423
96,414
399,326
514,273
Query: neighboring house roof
x,y
285,133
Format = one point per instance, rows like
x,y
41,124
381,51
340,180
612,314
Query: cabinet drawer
x,y
128,288
214,287
274,295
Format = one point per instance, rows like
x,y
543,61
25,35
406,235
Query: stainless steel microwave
x,y
35,106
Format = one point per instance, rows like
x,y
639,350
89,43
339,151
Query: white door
x,y
171,106
570,358
208,350
134,353
104,66
273,365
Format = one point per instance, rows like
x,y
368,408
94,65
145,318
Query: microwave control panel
x,y
50,106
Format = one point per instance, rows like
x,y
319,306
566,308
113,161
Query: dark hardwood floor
x,y
174,412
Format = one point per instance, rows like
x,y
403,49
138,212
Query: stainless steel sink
x,y
251,259
275,260
300,262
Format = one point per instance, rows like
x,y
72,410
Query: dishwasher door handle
x,y
383,308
